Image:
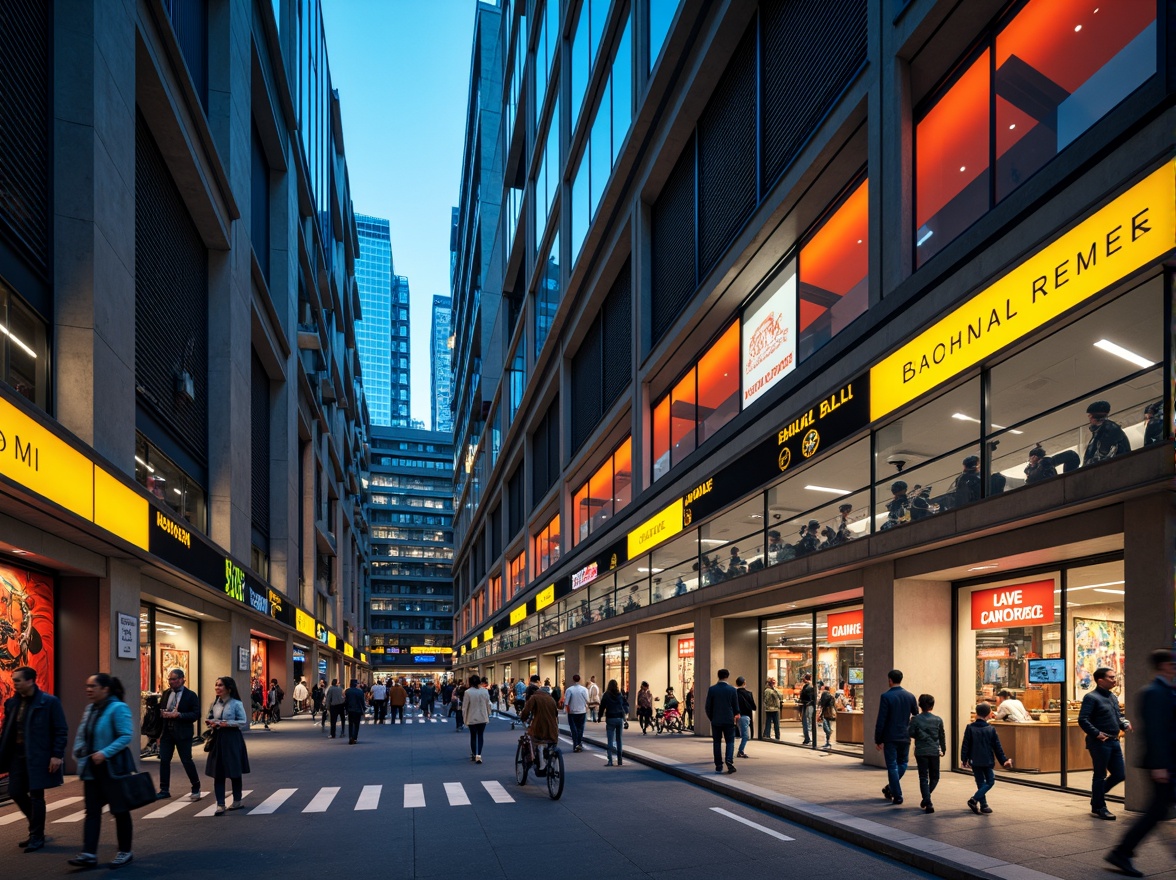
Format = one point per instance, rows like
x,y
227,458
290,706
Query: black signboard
x,y
802,439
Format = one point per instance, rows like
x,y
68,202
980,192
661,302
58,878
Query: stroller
x,y
152,726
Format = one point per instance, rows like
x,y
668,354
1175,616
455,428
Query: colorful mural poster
x,y
26,628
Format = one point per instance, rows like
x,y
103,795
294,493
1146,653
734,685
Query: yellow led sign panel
x,y
37,459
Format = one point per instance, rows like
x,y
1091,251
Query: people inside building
x,y
1009,708
966,488
1106,436
1153,430
1040,467
898,510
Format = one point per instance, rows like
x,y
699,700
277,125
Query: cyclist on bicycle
x,y
543,714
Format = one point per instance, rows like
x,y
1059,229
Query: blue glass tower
x,y
373,274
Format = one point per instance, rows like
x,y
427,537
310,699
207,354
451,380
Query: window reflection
x,y
834,273
171,486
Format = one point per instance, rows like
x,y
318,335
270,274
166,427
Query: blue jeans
x,y
985,778
827,727
1109,771
771,720
614,726
809,722
897,754
744,731
576,726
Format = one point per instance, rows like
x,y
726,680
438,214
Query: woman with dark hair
x,y
102,749
227,757
475,708
614,707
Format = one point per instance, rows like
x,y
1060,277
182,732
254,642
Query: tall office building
x,y
373,334
176,243
410,608
441,364
400,348
820,338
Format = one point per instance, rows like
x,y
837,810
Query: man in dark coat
x,y
896,707
356,705
1157,716
1106,437
180,711
32,746
722,708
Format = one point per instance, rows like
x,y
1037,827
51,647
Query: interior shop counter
x,y
1035,746
850,727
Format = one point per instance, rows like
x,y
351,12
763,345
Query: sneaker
x,y
741,755
609,764
886,792
195,795
897,802
929,809
238,803
162,795
974,806
122,858
730,768
1123,863
22,844
219,811
34,844
84,860
478,759
984,808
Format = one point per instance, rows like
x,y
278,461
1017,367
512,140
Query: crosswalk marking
x,y
78,816
271,803
750,824
322,800
414,795
56,805
173,808
456,794
369,798
212,809
497,792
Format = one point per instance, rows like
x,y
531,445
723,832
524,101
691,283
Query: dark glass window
x,y
24,349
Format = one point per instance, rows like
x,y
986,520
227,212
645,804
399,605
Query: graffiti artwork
x,y
26,628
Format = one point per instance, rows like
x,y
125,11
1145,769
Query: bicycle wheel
x,y
675,725
522,764
555,774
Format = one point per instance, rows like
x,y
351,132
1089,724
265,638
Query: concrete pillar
x,y
94,225
906,626
1148,603
649,660
709,657
77,647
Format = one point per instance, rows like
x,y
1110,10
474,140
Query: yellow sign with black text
x,y
544,597
303,622
1133,230
518,614
660,527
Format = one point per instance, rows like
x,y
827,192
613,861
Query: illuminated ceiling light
x,y
150,469
1012,125
18,341
827,489
983,567
1077,28
1126,354
177,491
967,418
1116,592
713,541
653,570
859,241
963,168
924,233
16,552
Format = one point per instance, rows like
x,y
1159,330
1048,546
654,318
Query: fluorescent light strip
x,y
1116,592
964,418
827,489
924,234
1127,355
18,341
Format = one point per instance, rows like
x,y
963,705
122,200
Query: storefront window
x,y
517,574
547,546
840,665
259,668
733,543
616,666
682,664
788,644
175,644
834,272
560,678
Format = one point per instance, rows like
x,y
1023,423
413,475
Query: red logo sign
x,y
845,626
685,647
1012,606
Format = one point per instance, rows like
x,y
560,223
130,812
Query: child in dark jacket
x,y
930,742
980,752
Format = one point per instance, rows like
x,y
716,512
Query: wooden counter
x,y
1036,747
850,727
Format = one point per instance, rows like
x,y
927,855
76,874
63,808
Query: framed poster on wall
x,y
26,629
242,659
1097,643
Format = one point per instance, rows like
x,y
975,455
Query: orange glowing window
x,y
547,546
623,475
600,493
581,514
683,418
495,594
661,437
516,569
607,491
835,272
718,383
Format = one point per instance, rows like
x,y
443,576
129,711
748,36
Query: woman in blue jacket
x,y
227,757
102,749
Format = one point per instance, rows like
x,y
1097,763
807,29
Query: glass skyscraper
x,y
400,391
373,274
441,377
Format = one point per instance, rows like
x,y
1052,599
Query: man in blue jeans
x,y
896,707
722,708
1103,723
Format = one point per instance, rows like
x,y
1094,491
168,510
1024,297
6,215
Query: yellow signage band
x,y
662,526
1135,229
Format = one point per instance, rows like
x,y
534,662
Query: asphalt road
x,y
407,802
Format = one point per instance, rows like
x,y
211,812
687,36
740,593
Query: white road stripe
x,y
56,805
497,792
322,800
208,811
456,794
271,803
173,808
369,798
751,824
78,816
414,795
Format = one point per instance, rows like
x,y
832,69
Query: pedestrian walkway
x,y
1033,834
263,802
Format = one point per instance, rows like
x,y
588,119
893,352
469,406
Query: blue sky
x,y
402,71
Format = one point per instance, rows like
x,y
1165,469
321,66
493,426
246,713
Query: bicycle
x,y
553,771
